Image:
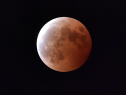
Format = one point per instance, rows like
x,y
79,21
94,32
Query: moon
x,y
64,44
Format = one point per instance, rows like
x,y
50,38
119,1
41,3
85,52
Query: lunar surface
x,y
64,44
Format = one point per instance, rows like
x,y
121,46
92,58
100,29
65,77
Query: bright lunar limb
x,y
64,44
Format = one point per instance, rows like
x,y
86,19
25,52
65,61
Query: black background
x,y
23,73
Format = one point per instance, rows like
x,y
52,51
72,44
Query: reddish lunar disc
x,y
64,44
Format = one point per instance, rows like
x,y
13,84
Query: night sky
x,y
23,72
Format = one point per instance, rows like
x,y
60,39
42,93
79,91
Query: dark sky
x,y
23,73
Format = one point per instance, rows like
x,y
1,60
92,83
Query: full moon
x,y
64,44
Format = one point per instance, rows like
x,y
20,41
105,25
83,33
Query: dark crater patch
x,y
81,29
59,42
60,55
83,38
56,57
65,31
73,36
52,60
79,45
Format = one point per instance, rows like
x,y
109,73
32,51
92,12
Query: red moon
x,y
64,44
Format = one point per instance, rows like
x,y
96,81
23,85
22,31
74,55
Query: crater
x,y
56,57
81,28
79,46
60,55
65,31
73,36
83,38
